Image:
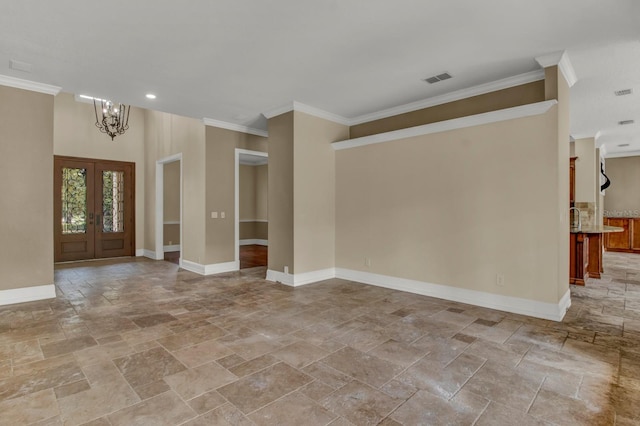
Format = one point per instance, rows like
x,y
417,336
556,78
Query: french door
x,y
93,209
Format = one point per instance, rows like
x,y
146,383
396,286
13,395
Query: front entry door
x,y
93,209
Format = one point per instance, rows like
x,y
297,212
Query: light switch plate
x,y
222,215
214,215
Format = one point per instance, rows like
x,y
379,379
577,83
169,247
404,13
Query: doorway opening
x,y
252,221
168,233
94,209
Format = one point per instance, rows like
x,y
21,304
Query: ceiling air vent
x,y
623,122
622,145
437,78
623,92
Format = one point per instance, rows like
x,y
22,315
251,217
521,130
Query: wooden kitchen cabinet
x,y
578,258
627,241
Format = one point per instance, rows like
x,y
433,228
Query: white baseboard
x,y
27,294
172,247
150,254
254,242
214,268
139,252
516,305
295,280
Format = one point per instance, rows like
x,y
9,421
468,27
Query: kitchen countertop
x,y
603,229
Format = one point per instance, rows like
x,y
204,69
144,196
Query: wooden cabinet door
x,y
619,240
634,230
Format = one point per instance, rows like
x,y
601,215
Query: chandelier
x,y
112,119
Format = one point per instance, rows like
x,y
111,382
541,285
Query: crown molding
x,y
560,59
620,154
469,92
307,109
274,112
235,127
447,125
33,86
316,112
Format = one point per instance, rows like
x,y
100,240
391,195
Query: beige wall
x,y
314,191
622,198
166,135
506,98
253,195
171,193
171,201
262,192
75,135
171,234
456,208
556,87
220,189
254,231
281,192
26,183
247,192
586,167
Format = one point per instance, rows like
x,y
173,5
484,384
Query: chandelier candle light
x,y
113,118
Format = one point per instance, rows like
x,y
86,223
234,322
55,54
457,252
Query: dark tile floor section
x,y
142,342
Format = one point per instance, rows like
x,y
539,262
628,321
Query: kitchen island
x,y
585,253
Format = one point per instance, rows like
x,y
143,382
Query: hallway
x,y
135,341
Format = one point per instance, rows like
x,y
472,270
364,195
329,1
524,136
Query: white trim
x,y
214,268
171,247
192,266
253,220
235,127
171,222
27,294
252,242
561,59
307,109
469,92
274,112
236,184
532,308
447,125
295,280
139,252
152,254
621,154
34,86
316,112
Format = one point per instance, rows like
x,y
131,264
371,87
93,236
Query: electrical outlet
x,y
367,262
222,215
286,270
500,280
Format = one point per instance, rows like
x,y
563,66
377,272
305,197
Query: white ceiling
x,y
233,60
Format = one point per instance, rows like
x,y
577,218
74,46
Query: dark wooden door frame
x,y
97,164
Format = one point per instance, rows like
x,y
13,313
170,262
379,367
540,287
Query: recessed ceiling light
x,y
622,145
623,92
150,96
623,122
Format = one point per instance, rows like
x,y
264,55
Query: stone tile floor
x,y
138,342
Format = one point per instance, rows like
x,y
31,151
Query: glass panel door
x,y
114,189
93,209
73,210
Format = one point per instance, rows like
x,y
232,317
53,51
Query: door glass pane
x,y
112,201
74,201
